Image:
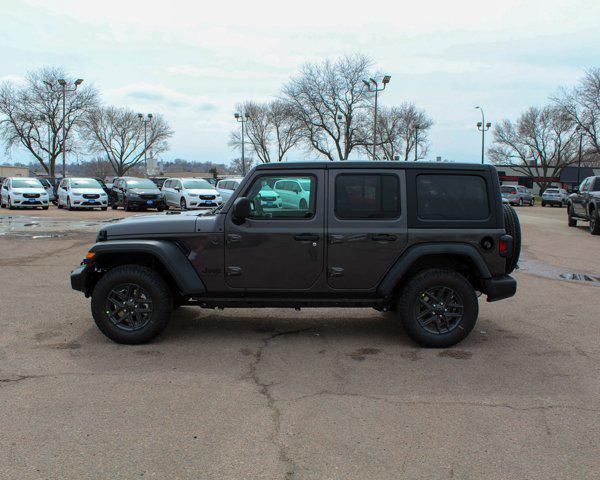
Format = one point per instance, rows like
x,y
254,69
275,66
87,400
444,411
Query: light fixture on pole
x,y
373,87
482,127
242,118
63,83
145,121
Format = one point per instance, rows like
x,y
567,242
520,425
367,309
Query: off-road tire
x,y
513,228
571,220
594,222
411,295
152,283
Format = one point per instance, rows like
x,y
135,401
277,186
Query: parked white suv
x,y
554,196
227,186
294,193
20,192
190,193
81,193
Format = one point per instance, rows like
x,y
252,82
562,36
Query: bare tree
x,y
272,129
582,105
118,134
398,129
540,143
331,103
238,168
31,115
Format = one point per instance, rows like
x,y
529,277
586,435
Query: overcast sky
x,y
193,61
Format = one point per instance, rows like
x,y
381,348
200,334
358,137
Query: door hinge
x,y
335,271
233,271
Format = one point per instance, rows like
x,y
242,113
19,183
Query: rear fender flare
x,y
414,253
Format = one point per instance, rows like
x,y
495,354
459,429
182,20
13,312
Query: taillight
x,y
505,245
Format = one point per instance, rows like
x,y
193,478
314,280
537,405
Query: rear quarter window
x,y
452,197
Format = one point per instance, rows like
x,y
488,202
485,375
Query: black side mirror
x,y
241,209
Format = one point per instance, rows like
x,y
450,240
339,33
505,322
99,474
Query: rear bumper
x,y
553,201
499,288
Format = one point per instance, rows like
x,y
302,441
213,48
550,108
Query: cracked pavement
x,y
315,394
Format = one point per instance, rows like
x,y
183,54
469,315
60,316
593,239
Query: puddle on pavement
x,y
42,227
541,269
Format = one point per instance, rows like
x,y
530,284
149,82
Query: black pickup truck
x,y
420,240
585,205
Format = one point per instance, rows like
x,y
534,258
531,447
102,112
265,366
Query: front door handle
x,y
306,237
383,237
233,238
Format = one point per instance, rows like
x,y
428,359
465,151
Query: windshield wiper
x,y
216,209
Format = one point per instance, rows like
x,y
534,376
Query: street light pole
x,y
580,131
145,121
373,87
482,127
63,83
416,140
242,118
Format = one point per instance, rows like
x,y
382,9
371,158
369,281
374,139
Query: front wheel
x,y
594,222
70,205
572,221
532,202
183,204
521,202
10,205
131,304
438,308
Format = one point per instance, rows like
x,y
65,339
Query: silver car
x,y
554,196
516,195
227,186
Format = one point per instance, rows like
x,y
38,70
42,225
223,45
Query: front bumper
x,y
79,279
499,288
144,203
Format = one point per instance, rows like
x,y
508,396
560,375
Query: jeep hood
x,y
162,225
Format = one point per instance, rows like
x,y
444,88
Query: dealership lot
x,y
316,394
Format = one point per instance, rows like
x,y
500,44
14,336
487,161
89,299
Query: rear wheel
x,y
513,228
532,202
438,308
131,304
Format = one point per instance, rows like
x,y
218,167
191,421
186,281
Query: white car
x,y
554,196
81,193
21,192
294,192
227,186
190,193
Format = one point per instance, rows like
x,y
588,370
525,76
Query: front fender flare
x,y
166,252
414,253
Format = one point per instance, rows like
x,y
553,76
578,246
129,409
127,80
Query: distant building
x,y
9,171
509,175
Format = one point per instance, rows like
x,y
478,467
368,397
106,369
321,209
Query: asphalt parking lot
x,y
280,394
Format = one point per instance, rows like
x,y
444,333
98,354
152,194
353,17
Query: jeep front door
x,y
279,247
367,229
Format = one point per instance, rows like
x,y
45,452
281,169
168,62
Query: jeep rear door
x,y
366,226
279,247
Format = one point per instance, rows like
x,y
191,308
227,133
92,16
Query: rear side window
x,y
360,196
452,197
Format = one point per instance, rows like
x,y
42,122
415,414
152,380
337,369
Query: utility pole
x,y
63,83
373,86
145,121
483,127
242,118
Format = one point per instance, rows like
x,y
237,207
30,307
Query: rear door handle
x,y
306,237
383,237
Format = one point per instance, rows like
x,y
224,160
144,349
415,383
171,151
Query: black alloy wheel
x,y
129,306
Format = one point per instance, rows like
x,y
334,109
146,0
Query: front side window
x,y
360,196
452,197
268,201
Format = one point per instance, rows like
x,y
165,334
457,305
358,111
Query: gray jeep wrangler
x,y
421,240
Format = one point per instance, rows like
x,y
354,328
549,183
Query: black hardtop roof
x,y
373,165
